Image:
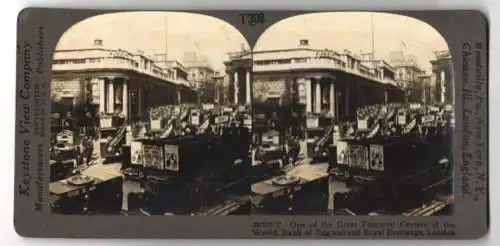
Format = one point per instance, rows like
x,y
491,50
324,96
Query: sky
x,y
215,38
146,31
353,31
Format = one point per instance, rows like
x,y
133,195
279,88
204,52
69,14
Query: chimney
x,y
304,42
98,42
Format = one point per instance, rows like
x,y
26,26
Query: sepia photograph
x,y
147,119
353,115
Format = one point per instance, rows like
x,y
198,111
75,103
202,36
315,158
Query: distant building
x,y
443,77
106,81
426,89
220,88
319,80
409,75
201,75
239,76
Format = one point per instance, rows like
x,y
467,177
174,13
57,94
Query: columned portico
x,y
332,99
102,95
236,88
111,95
248,88
317,98
442,83
309,106
125,97
242,86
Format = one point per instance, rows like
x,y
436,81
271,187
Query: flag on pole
x,y
403,45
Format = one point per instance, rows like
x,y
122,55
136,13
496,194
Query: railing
x,y
117,64
318,63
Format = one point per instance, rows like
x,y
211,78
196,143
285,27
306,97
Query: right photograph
x,y
353,114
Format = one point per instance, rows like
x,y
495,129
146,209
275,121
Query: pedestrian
x,y
88,150
294,151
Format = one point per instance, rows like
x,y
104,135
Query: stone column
x,y
332,100
442,83
111,95
102,95
347,100
308,96
318,97
179,96
125,97
236,87
139,100
248,88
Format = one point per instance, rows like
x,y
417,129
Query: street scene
x,y
172,114
352,118
144,121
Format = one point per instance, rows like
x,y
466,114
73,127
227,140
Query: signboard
x,y
241,108
448,107
433,109
401,118
342,153
383,109
358,157
428,119
66,137
376,157
325,53
312,122
153,157
172,158
195,118
95,93
208,106
415,106
247,122
222,119
155,124
136,153
336,135
302,92
362,125
227,109
105,122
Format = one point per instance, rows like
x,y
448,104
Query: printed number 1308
x,y
252,19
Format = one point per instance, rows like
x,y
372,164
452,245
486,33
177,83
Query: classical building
x,y
201,74
443,77
239,75
319,79
112,81
220,88
426,89
409,76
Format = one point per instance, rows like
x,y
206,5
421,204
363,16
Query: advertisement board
x,y
342,153
195,118
312,122
155,125
362,125
401,118
105,122
358,156
153,156
171,158
428,119
136,153
376,157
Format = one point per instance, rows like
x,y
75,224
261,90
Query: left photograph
x,y
146,117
